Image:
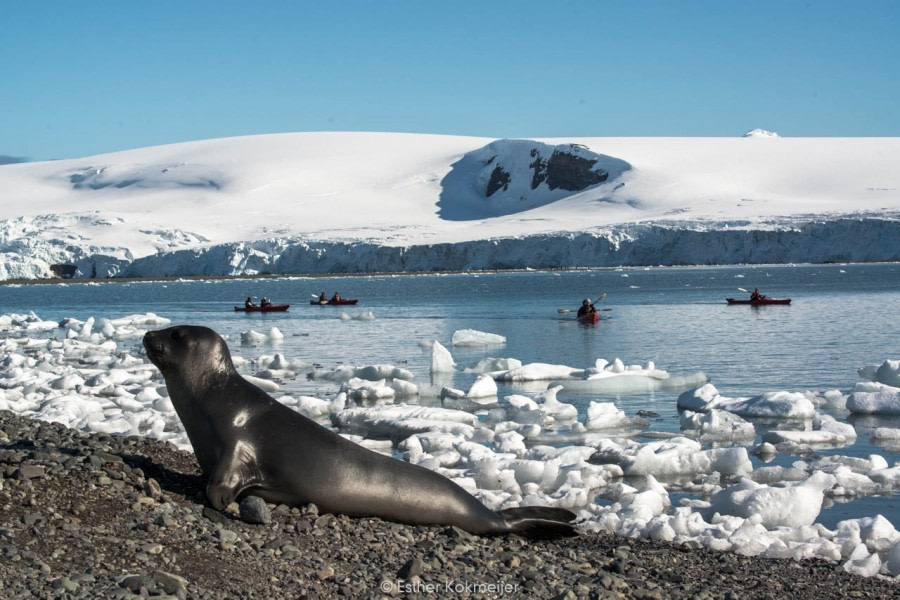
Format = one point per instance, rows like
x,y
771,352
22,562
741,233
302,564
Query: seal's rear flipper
x,y
540,522
547,513
541,529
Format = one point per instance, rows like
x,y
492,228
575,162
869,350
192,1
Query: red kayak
x,y
590,318
760,302
340,302
266,308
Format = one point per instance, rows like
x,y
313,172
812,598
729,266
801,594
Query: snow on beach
x,y
520,449
363,202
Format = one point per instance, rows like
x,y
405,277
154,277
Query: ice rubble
x,y
84,374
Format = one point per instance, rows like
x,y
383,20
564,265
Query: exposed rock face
x,y
571,168
566,171
499,180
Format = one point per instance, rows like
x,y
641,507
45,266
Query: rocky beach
x,y
94,515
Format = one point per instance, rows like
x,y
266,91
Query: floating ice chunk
x,y
365,389
482,392
834,400
430,442
791,438
14,401
368,372
717,425
886,433
537,372
524,410
69,410
701,399
527,430
883,402
252,338
790,506
605,415
380,446
650,501
473,338
863,563
490,476
404,420
276,362
147,395
484,387
878,534
867,373
70,381
295,364
827,431
263,384
366,315
892,560
490,365
616,378
852,484
551,407
776,405
404,389
681,456
889,373
830,424
510,442
377,372
571,458
39,326
312,407
441,360
164,405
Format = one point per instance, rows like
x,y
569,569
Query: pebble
x,y
253,509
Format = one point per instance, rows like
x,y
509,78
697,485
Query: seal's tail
x,y
540,522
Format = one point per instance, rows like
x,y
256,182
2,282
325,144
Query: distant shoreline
x,y
88,280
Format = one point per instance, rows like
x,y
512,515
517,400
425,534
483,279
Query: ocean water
x,y
843,317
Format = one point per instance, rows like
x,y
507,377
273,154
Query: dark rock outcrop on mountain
x,y
499,180
565,170
512,176
562,170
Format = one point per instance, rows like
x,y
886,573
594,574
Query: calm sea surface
x,y
843,317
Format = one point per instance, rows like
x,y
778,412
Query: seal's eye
x,y
176,335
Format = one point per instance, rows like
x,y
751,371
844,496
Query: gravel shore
x,y
99,516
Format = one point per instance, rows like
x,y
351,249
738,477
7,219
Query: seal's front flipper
x,y
235,472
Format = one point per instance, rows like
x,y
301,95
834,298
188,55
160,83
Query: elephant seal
x,y
247,443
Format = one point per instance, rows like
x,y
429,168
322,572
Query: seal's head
x,y
186,348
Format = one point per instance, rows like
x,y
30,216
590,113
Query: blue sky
x,y
83,78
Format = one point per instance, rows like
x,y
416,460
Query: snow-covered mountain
x,y
357,202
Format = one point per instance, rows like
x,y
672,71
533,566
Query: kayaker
x,y
336,297
323,298
248,303
264,302
755,295
586,308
